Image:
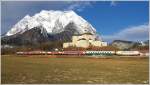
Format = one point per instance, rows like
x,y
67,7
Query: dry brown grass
x,y
19,70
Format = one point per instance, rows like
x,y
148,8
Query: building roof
x,y
87,33
81,39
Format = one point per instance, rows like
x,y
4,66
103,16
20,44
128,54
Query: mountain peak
x,y
27,16
48,11
51,20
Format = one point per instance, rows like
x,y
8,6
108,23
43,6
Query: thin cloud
x,y
79,6
134,33
113,3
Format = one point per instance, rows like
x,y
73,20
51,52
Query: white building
x,y
85,40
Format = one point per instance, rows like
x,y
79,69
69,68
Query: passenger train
x,y
128,53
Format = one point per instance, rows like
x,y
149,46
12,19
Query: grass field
x,y
19,70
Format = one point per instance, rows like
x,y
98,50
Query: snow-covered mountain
x,y
53,21
47,26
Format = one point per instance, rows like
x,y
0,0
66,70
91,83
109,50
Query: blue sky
x,y
125,20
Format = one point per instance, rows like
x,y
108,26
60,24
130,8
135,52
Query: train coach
x,y
73,52
32,53
127,53
100,52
